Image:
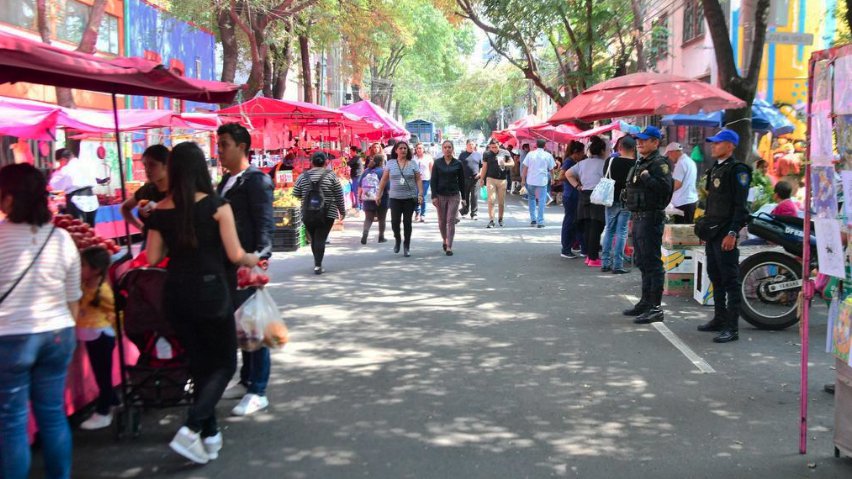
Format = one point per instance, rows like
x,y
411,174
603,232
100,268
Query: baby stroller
x,y
159,378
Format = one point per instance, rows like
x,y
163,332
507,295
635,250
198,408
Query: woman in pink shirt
x,y
785,206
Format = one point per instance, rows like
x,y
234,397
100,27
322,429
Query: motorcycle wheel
x,y
765,309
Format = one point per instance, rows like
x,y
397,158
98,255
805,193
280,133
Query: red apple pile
x,y
83,234
251,278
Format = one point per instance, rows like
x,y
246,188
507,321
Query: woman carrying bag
x,y
406,193
585,176
369,188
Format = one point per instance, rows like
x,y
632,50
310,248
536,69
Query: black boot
x,y
396,247
727,335
717,323
640,308
653,315
364,238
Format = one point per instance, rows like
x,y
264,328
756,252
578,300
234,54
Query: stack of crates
x,y
289,232
678,259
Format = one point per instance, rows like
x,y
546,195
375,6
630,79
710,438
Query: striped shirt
x,y
331,190
403,183
39,302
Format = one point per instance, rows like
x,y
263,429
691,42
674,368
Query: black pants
x,y
319,231
402,211
592,230
202,313
688,217
71,208
381,213
100,357
471,196
723,269
647,244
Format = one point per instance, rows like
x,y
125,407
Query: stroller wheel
x,y
121,421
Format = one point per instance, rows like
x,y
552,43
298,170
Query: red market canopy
x,y
369,110
25,60
645,93
260,109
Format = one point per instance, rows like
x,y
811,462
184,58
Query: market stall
x,y
25,60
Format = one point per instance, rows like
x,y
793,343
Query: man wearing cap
x,y
646,195
685,196
727,184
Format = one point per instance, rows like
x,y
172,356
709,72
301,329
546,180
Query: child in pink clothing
x,y
785,206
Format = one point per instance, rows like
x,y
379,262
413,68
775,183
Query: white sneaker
x,y
97,421
236,391
188,444
212,445
250,404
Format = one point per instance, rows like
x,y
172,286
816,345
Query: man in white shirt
x,y
535,175
685,176
77,177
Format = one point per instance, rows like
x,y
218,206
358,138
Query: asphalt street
x,y
503,361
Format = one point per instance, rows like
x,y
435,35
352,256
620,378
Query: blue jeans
x,y
422,210
569,223
33,367
536,198
616,229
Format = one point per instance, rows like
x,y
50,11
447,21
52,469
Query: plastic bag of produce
x,y
251,277
259,323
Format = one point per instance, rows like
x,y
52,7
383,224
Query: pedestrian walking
x,y
727,183
41,266
570,197
448,182
617,216
471,160
685,176
374,210
197,228
356,169
535,176
496,163
424,163
249,192
322,204
591,218
648,191
405,192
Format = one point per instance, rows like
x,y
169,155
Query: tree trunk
x,y
305,53
637,34
849,14
282,59
42,24
356,92
230,48
268,67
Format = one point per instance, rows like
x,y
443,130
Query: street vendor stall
x,y
25,60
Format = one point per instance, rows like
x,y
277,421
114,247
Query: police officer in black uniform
x,y
727,184
648,191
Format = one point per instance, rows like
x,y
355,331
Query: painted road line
x,y
697,360
667,333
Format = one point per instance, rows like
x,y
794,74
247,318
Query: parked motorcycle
x,y
772,280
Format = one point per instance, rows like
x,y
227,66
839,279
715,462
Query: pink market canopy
x,y
527,128
257,111
390,127
645,93
38,121
25,60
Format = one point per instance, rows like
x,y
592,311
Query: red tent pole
x,y
807,284
121,168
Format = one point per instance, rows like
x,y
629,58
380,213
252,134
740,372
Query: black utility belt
x,y
647,214
86,191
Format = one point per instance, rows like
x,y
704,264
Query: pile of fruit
x,y
83,234
251,278
285,199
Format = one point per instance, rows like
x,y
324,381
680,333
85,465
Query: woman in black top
x,y
447,185
195,228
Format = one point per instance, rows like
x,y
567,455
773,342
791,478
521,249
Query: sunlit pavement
x,y
503,361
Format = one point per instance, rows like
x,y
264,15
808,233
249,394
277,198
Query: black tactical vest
x,y
720,192
636,196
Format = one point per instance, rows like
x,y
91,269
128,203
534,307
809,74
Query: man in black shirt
x,y
356,169
727,183
249,191
472,162
496,163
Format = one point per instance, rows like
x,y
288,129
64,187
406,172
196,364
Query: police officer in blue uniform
x,y
648,191
727,184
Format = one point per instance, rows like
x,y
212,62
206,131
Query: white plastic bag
x,y
604,192
259,323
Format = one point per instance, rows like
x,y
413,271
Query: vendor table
x,y
110,224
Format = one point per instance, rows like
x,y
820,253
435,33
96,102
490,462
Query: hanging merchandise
x,y
697,155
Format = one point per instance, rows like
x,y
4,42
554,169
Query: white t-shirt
x,y
39,302
232,180
539,163
686,172
425,164
77,173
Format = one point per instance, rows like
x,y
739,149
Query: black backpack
x,y
315,207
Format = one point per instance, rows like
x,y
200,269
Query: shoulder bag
x,y
35,258
604,192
